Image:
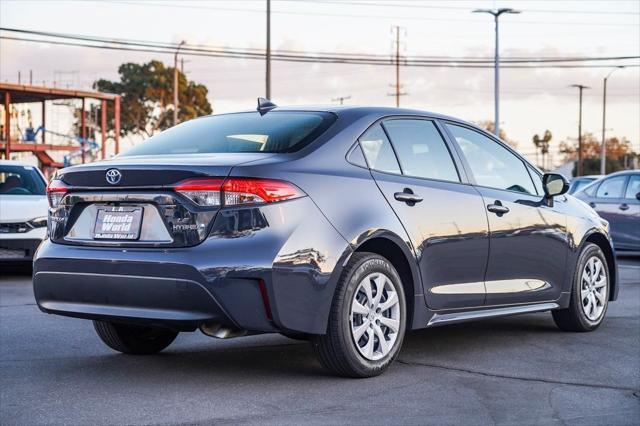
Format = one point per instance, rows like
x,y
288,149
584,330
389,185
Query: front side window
x,y
274,132
611,188
492,164
633,187
378,151
537,180
421,150
20,180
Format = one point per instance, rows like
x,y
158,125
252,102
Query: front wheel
x,y
589,294
367,319
134,339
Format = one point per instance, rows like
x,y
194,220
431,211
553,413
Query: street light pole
x,y
496,63
268,53
175,83
580,88
603,146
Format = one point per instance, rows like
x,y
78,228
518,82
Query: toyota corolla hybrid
x,y
346,226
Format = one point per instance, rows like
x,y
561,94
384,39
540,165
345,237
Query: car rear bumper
x,y
18,250
261,269
164,298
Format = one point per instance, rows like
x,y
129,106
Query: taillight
x,y
204,192
237,191
55,192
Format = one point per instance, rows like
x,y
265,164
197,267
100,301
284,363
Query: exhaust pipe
x,y
220,331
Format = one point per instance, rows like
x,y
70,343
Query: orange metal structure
x,y
17,93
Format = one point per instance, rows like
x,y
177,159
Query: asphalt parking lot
x,y
519,370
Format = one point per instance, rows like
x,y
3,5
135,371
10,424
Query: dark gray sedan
x,y
616,198
344,226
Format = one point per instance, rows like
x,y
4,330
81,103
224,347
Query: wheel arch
x,y
399,254
603,242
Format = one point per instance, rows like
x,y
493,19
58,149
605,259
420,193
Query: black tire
x,y
573,318
336,349
134,339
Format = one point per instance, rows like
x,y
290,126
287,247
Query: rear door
x,y
630,227
611,205
528,239
443,216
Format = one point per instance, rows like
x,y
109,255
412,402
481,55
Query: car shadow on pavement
x,y
284,357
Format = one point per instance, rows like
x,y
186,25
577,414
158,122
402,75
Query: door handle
x,y
498,208
407,196
624,206
592,205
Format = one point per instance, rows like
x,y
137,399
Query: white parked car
x,y
23,210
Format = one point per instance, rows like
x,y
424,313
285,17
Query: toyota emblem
x,y
113,176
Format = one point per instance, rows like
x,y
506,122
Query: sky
x,y
532,100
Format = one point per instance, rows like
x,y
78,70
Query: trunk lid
x,y
139,192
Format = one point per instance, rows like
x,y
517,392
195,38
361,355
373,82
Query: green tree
x,y
620,154
147,97
542,144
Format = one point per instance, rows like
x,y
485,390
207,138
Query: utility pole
x,y
603,146
268,55
341,99
496,63
175,83
397,93
580,88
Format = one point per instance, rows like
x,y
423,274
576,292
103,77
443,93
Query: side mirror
x,y
554,184
638,196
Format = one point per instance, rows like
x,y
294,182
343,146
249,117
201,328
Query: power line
x,y
358,16
310,59
424,6
459,62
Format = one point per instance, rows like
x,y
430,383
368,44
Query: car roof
x,y
623,172
355,112
15,163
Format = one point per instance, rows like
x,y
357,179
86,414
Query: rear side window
x,y
378,151
20,180
612,187
421,150
633,187
492,164
274,132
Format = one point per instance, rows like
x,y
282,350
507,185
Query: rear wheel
x,y
589,294
134,339
367,319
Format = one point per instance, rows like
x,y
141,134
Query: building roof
x,y
21,93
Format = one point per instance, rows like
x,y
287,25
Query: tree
x,y
490,127
147,97
542,144
619,153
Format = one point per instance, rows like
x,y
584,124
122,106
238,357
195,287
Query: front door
x,y
528,239
444,218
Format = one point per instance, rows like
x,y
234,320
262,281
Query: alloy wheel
x,y
593,288
375,316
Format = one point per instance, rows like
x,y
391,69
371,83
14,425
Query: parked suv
x,y
345,226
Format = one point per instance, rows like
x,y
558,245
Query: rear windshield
x,y
20,180
274,132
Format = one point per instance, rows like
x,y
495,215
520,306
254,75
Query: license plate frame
x,y
118,224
